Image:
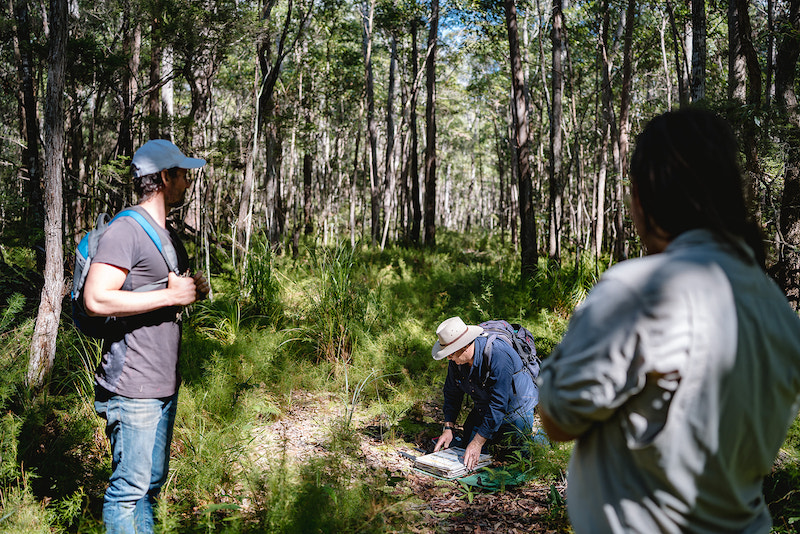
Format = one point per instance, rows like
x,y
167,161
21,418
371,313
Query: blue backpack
x,y
100,327
516,335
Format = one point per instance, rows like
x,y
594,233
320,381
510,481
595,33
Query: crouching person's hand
x,y
444,439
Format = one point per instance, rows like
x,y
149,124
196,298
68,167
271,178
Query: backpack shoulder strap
x,y
148,225
487,356
165,248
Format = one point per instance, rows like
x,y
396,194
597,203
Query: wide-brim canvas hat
x,y
453,335
157,155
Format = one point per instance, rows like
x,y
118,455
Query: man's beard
x,y
179,202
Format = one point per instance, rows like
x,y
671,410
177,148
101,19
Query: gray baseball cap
x,y
159,154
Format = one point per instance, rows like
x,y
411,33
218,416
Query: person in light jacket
x,y
679,374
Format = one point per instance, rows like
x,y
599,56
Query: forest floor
x,y
439,506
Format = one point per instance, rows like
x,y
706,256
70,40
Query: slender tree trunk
x,y
367,13
770,54
273,182
667,78
698,50
627,87
29,124
556,136
788,267
389,163
743,61
599,210
737,73
606,54
430,128
168,93
200,70
77,216
353,187
244,220
131,46
270,61
681,67
515,207
529,253
502,215
624,127
610,135
156,52
307,87
43,344
308,218
416,209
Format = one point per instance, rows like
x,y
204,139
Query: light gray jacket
x,y
680,372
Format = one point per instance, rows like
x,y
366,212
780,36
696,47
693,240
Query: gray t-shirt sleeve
x,y
142,360
126,245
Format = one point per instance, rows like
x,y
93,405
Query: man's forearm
x,y
478,440
104,297
126,303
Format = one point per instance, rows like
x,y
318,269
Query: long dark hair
x,y
686,173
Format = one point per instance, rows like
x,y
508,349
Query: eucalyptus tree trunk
x,y
514,207
29,125
367,15
788,267
43,344
168,92
270,61
131,48
389,161
430,128
770,53
353,189
737,65
599,204
156,52
308,217
608,51
265,82
502,215
556,137
244,221
698,50
308,157
416,209
522,145
667,78
744,71
275,213
624,131
201,67
681,65
581,232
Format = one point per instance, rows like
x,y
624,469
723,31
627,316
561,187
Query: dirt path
x,y
441,506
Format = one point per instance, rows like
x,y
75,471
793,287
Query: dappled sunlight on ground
x,y
304,431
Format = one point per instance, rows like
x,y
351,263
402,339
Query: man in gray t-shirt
x,y
137,380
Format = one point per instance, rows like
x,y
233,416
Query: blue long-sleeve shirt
x,y
507,394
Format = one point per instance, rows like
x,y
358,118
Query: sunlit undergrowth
x,y
354,324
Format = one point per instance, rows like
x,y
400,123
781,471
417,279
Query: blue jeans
x,y
140,432
517,427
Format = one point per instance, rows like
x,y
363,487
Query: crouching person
x,y
501,387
